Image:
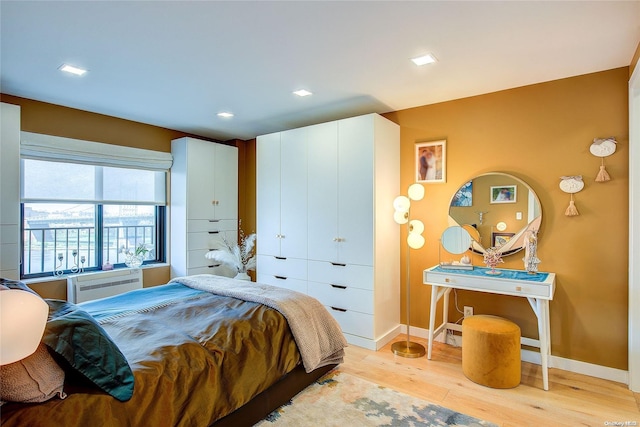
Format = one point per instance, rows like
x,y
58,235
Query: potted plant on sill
x,y
135,258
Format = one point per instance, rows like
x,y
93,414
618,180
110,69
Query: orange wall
x,y
539,133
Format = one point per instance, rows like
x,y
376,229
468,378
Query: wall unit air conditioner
x,y
90,286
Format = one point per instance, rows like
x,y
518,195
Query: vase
x,y
242,276
133,261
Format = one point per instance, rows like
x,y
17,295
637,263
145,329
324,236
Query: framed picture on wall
x,y
499,239
430,161
464,196
503,194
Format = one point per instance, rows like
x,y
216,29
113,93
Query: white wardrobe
x,y
204,204
325,220
10,192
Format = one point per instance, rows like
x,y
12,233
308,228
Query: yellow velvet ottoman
x,y
491,351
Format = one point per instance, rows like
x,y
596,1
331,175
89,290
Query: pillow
x,y
80,341
36,378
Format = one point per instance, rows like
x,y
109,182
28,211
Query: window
x,y
78,217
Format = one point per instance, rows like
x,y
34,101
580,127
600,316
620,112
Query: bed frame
x,y
272,398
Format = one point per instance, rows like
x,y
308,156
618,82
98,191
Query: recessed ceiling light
x,y
424,59
71,69
225,114
302,92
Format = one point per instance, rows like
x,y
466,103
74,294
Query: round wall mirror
x,y
491,199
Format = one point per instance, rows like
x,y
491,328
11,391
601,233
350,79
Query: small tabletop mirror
x,y
456,240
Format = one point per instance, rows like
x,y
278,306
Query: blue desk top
x,y
504,273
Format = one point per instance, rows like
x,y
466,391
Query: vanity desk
x,y
537,288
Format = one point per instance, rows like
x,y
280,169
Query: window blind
x,y
55,148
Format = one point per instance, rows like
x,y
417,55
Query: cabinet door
x,y
225,168
293,193
322,197
200,179
355,190
268,194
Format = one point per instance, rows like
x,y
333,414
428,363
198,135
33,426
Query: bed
x,y
201,351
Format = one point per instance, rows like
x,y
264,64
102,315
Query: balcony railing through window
x,y
68,249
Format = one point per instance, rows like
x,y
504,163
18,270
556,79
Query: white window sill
x,y
53,278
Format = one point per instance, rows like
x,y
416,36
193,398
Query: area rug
x,y
340,399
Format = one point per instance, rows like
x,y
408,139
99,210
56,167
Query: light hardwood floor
x,y
572,399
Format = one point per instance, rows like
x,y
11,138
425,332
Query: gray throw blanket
x,y
317,334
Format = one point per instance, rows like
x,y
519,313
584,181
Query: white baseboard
x,y
570,365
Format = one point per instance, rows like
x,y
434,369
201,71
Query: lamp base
x,y
408,349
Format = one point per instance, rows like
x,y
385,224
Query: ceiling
x,y
177,64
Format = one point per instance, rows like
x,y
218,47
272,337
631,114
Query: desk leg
x,y
432,318
545,341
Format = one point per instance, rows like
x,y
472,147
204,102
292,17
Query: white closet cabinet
x,y
10,192
282,209
352,259
204,204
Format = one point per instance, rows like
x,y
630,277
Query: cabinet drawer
x,y
196,258
359,276
9,256
347,297
282,282
295,268
203,240
352,322
194,225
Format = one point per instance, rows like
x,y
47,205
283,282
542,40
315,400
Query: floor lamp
x,y
415,227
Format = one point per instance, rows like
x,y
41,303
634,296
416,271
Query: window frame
x,y
160,239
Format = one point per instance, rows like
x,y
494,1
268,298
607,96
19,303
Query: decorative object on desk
x,y
431,161
134,259
402,206
492,257
530,259
571,184
240,256
603,147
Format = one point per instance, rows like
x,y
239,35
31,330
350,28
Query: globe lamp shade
x,y
416,191
415,241
23,317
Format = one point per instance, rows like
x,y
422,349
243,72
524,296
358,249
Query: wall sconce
x,y
415,240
